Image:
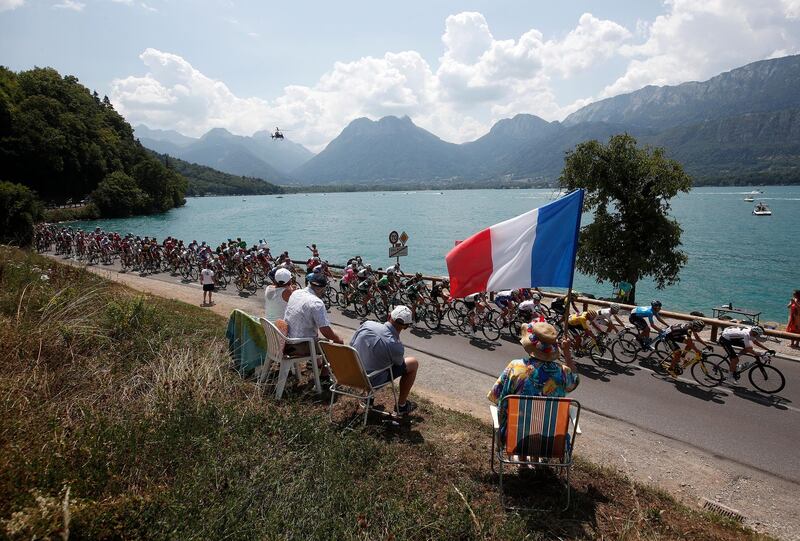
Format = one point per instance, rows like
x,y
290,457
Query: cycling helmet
x,y
614,308
697,325
536,297
446,282
390,271
757,331
655,303
369,267
418,275
591,314
362,273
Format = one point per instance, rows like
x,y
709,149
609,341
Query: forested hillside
x,y
65,142
204,180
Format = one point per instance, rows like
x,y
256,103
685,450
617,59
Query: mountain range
x,y
742,126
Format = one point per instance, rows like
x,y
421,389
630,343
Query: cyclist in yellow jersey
x,y
582,323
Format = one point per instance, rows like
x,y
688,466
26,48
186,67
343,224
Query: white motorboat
x,y
761,210
749,199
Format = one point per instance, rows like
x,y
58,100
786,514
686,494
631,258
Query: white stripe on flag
x,y
512,247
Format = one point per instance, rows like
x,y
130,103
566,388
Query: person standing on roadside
x,y
793,325
207,281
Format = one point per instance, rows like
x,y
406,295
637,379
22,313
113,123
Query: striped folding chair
x,y
538,431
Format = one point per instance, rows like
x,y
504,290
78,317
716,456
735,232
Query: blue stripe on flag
x,y
556,241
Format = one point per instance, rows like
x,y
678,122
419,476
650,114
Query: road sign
x,y
403,237
397,251
393,236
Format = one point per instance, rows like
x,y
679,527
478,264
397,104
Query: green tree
x,y
19,210
629,189
119,195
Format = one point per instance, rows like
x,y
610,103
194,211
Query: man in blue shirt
x,y
379,346
638,316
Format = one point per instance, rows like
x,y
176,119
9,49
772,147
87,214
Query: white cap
x,y
402,314
283,276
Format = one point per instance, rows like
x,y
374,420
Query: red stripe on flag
x,y
470,264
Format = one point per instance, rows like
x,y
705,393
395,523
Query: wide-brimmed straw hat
x,y
539,340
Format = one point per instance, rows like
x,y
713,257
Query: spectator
x,y
276,296
540,374
794,318
379,346
207,281
306,315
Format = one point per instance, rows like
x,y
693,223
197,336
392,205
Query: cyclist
x,y
531,310
504,301
559,303
606,315
741,337
475,304
440,291
415,290
582,322
638,316
385,286
683,333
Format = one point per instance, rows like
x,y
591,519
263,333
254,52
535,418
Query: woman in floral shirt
x,y
540,373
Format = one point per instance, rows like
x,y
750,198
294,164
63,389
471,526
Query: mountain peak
x,y
217,133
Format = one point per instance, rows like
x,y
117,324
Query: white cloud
x,y
71,5
479,78
697,39
8,5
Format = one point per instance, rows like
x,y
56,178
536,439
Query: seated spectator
x,y
306,315
277,296
379,346
540,373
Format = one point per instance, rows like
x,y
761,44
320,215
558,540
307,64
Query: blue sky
x,y
454,67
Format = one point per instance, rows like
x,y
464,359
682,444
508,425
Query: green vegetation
x,y
629,189
19,210
123,419
207,181
64,142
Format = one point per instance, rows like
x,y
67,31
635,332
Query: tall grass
x,y
120,417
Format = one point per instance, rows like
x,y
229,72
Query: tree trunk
x,y
632,296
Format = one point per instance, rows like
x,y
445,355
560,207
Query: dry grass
x,y
123,419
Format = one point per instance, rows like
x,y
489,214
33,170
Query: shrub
x,y
19,210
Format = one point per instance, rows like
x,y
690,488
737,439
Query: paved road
x,y
735,423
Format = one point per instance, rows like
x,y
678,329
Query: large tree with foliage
x,y
62,141
629,190
19,210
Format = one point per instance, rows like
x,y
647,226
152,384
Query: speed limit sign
x,y
393,237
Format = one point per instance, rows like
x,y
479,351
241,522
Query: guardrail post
x,y
714,330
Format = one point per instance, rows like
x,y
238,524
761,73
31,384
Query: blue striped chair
x,y
538,431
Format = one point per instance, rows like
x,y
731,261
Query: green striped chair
x,y
539,431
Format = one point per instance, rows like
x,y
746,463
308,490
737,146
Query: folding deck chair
x,y
539,432
276,341
350,378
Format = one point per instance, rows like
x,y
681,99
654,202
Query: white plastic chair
x,y
276,341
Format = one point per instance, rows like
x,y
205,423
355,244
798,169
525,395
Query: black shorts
x,y
470,305
208,287
675,339
728,345
638,322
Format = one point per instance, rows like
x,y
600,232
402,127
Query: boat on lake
x,y
761,210
749,199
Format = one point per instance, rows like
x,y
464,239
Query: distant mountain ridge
x,y
741,126
256,156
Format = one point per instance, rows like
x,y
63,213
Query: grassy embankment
x,y
122,418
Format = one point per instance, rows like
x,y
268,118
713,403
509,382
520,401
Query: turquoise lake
x,y
734,256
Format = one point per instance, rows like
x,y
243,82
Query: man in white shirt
x,y
207,281
306,314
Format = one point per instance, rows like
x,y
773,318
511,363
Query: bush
x,y
119,195
19,210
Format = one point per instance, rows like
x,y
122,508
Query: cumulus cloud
x,y
696,39
72,5
479,78
8,5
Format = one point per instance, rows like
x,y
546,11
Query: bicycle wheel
x,y
362,309
706,373
766,378
662,351
490,330
239,282
453,315
379,307
431,319
623,351
340,300
598,352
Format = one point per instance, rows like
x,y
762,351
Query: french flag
x,y
534,249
